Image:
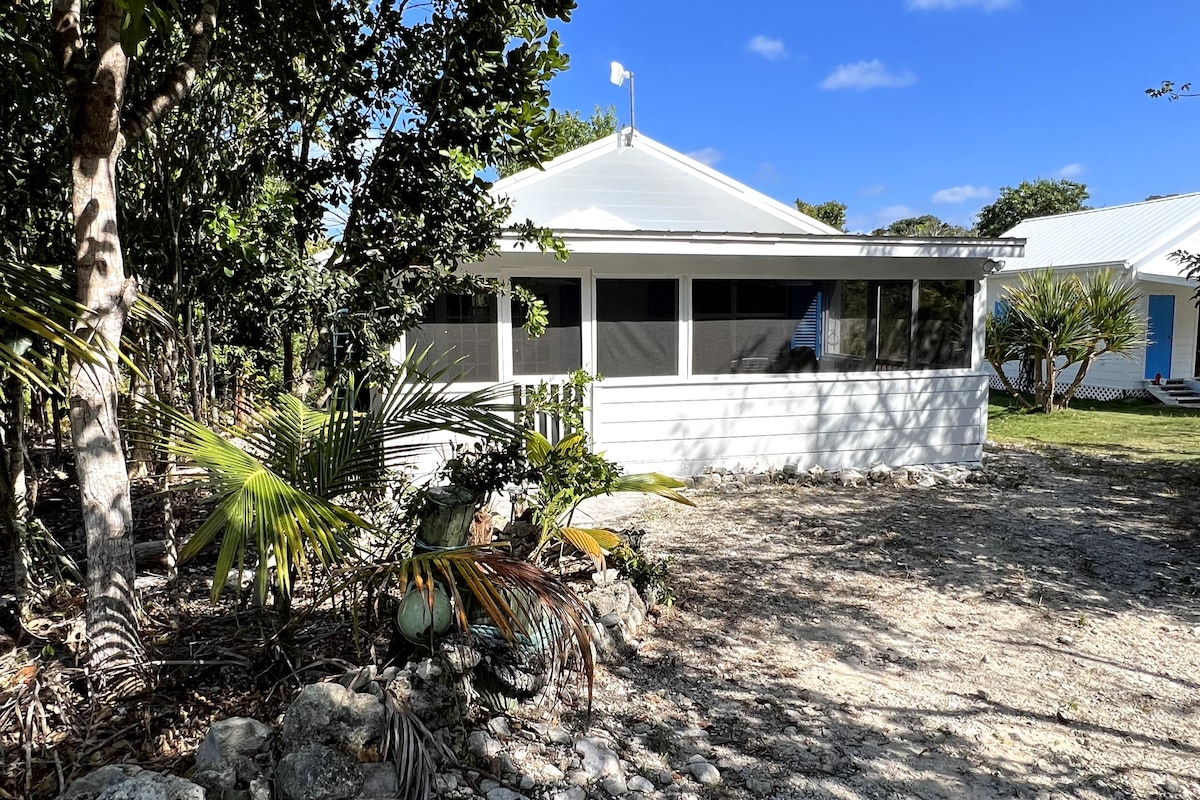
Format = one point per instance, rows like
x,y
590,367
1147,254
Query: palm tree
x,y
1051,323
282,487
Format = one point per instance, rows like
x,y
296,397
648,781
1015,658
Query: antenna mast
x,y
617,74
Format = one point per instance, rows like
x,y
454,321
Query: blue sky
x,y
903,107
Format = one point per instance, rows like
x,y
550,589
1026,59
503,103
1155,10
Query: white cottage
x,y
1136,240
731,329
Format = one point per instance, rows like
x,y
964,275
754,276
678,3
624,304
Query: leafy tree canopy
x,y
925,225
568,131
831,212
1038,198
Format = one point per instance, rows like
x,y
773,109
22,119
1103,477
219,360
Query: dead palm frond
x,y
524,604
412,748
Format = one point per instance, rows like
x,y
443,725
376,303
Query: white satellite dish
x,y
617,73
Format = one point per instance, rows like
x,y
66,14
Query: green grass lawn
x,y
1133,429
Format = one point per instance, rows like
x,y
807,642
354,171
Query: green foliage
x,y
1050,323
569,473
1169,90
1038,198
368,126
276,489
649,575
560,399
486,467
926,225
1191,264
831,212
569,131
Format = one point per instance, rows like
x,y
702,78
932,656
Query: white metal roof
x,y
1138,236
643,185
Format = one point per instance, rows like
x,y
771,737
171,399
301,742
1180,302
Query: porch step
x,y
1175,392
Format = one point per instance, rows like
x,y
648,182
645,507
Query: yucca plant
x,y
569,474
1053,323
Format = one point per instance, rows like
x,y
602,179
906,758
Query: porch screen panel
x,y
894,324
942,333
637,327
461,327
846,333
747,326
560,349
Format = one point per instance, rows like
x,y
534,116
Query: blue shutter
x,y
805,307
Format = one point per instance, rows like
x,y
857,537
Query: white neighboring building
x,y
730,328
1136,240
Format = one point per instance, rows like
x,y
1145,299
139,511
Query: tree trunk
x,y
211,361
14,489
104,289
289,360
189,342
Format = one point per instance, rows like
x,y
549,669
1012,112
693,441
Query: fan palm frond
x,y
276,488
256,507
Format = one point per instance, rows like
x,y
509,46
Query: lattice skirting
x,y
1085,392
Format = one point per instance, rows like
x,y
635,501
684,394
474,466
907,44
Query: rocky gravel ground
x,y
1027,630
1033,634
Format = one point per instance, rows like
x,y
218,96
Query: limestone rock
x,y
326,713
317,772
147,785
226,757
92,784
598,758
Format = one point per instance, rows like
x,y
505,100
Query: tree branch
x,y
175,86
998,368
67,40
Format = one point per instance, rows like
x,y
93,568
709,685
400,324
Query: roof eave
x,y
799,245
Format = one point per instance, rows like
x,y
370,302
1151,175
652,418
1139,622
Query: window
x,y
744,326
884,325
942,333
462,327
559,350
894,316
846,331
637,327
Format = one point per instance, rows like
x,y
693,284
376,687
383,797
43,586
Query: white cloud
x,y
952,5
1071,171
769,48
957,194
768,173
872,190
868,75
706,155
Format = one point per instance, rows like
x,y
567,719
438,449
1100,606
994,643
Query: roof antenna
x,y
617,74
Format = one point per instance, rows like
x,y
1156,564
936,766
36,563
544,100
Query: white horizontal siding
x,y
851,420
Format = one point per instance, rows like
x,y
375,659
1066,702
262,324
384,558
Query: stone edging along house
x,y
730,329
1135,240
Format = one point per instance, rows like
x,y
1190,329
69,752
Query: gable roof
x,y
1138,236
629,182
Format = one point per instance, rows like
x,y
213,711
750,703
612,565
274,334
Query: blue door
x,y
1160,325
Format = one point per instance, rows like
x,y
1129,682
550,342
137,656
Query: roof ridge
x,y
1172,197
